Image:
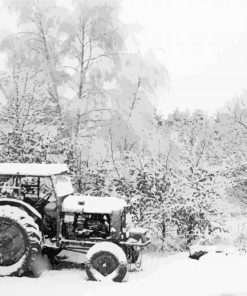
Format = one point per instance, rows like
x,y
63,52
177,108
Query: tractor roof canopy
x,y
32,169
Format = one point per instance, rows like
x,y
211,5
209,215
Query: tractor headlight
x,y
69,218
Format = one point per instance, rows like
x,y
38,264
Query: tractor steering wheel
x,y
44,200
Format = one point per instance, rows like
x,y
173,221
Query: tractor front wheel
x,y
106,260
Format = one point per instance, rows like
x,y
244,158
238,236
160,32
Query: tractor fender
x,y
21,204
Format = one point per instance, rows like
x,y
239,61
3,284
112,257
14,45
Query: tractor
x,y
40,214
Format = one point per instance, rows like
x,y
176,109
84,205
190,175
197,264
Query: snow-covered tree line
x,y
73,93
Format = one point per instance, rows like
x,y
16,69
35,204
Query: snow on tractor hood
x,y
92,204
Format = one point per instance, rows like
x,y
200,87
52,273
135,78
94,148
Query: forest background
x,y
74,93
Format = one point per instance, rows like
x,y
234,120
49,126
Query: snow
x,y
32,169
26,205
19,216
176,275
92,204
10,269
138,230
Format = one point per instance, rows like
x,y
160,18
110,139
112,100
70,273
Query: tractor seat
x,y
51,209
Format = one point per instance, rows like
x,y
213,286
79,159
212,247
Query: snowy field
x,y
213,274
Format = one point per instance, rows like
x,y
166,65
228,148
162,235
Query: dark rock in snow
x,y
197,251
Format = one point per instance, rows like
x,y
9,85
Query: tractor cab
x,y
34,181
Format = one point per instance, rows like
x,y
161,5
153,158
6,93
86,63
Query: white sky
x,y
203,44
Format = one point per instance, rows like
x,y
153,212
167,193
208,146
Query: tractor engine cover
x,y
92,204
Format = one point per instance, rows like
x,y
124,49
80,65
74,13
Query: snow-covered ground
x,y
213,274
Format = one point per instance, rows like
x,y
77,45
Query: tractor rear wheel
x,y
20,240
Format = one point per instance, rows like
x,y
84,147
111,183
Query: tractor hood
x,y
92,204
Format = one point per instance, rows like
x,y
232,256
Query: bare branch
x,y
81,60
135,97
167,156
25,85
54,93
98,57
35,39
4,92
36,50
70,67
240,122
90,55
32,33
201,153
240,198
30,103
102,35
97,110
78,37
112,153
